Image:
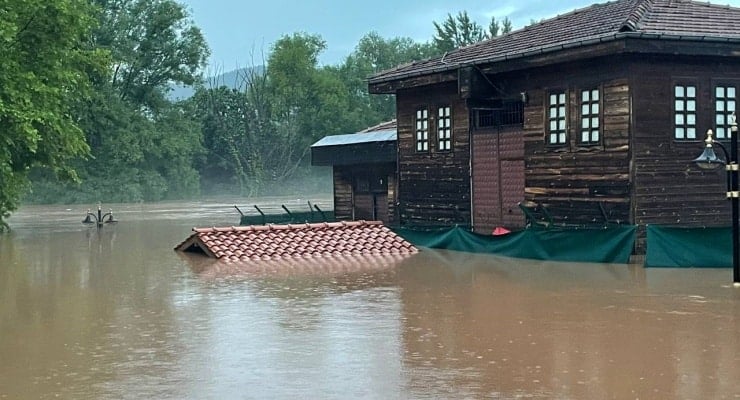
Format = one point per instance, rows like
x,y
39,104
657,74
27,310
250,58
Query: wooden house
x,y
595,113
364,172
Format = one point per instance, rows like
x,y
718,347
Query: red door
x,y
498,178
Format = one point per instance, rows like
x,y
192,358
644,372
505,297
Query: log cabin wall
x,y
351,204
433,185
669,188
342,193
572,179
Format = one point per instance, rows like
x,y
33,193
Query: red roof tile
x,y
302,240
652,19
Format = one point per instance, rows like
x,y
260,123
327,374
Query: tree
x,y
495,27
373,54
45,70
153,45
143,146
457,31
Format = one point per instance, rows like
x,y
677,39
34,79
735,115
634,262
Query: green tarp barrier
x,y
611,244
688,247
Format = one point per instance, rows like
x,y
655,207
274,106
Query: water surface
x,y
116,313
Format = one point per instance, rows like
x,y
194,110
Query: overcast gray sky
x,y
234,28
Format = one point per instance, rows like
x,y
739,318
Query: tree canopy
x,y
46,69
86,116
459,30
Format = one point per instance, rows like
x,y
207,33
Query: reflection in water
x,y
116,313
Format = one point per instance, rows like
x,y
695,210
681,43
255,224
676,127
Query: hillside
x,y
232,79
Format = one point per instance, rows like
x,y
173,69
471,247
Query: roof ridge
x,y
268,227
640,9
538,24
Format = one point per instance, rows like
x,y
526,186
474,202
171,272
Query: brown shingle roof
x,y
669,19
303,240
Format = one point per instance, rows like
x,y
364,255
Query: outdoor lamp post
x,y
709,160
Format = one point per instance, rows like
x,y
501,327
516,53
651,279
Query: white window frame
x,y
590,116
725,97
684,111
422,129
557,118
444,128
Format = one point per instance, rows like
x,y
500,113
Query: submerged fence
x,y
670,247
688,247
611,244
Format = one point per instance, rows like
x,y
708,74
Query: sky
x,y
240,32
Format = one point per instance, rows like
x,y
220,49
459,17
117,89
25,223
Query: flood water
x,y
117,314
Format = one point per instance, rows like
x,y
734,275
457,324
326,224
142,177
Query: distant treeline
x,y
86,113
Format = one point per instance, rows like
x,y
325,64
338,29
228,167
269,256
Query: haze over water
x,y
116,313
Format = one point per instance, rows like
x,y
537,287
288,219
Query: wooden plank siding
x,y
351,205
669,189
342,193
571,180
433,186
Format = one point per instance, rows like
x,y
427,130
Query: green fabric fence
x,y
611,244
688,247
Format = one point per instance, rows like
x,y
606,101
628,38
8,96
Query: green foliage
x,y
100,110
143,147
460,30
496,28
153,46
374,54
457,31
44,72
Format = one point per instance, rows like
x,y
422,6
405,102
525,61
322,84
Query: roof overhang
x,y
620,43
357,148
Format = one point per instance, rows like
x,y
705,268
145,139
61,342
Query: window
x,y
510,113
485,118
444,129
556,117
724,106
422,130
685,112
590,113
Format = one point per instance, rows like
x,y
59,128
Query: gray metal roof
x,y
357,138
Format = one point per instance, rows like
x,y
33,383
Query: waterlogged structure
x,y
598,111
271,242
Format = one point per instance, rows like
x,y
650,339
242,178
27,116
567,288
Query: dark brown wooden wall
x,y
572,180
669,189
342,193
349,205
433,187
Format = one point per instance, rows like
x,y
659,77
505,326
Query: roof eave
x,y
553,49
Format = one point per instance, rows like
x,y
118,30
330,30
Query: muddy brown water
x,y
116,314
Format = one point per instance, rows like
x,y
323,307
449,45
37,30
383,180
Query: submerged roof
x,y
289,241
654,19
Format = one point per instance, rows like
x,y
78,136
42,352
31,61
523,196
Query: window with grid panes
x,y
685,112
590,113
556,118
422,130
724,106
444,129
